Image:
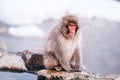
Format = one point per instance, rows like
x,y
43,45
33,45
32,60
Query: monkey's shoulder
x,y
55,34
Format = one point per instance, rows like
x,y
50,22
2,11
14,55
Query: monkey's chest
x,y
68,49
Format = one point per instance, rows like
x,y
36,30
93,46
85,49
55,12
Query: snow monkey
x,y
61,50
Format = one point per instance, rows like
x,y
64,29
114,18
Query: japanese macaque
x,y
61,50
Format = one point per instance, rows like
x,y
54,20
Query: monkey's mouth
x,y
72,34
72,30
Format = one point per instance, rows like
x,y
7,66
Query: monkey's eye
x,y
71,24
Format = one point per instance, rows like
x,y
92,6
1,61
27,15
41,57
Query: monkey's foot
x,y
58,68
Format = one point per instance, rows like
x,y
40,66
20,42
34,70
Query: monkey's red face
x,y
72,29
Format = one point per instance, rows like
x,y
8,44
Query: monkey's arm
x,y
76,61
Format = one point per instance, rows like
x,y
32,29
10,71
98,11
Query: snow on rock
x,y
12,61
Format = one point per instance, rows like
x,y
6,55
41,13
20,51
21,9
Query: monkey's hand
x,y
76,68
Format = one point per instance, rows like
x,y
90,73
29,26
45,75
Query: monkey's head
x,y
69,26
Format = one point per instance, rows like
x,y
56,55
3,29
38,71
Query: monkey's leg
x,y
51,62
63,61
75,61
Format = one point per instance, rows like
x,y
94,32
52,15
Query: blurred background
x,y
25,24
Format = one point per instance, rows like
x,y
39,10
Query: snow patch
x,y
26,31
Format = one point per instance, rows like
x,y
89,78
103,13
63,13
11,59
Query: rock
x,y
27,60
115,77
33,59
3,48
12,62
35,62
62,75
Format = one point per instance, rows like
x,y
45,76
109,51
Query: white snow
x,y
12,61
26,31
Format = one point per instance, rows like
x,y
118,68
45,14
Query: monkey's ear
x,y
65,22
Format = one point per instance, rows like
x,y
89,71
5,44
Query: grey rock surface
x,y
54,75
